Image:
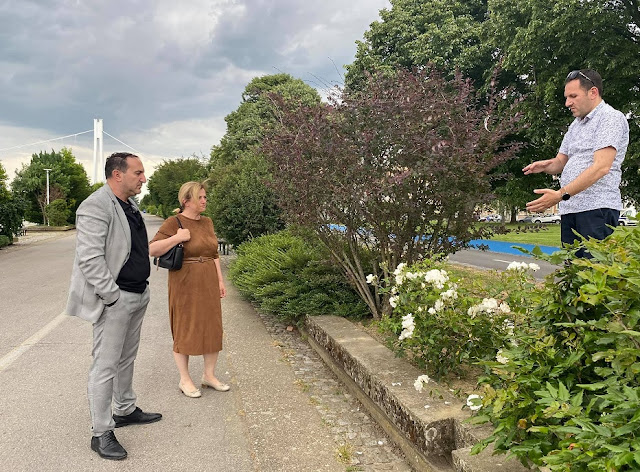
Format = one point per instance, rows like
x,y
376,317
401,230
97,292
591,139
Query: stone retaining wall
x,y
432,421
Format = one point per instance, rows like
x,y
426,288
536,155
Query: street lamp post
x,y
45,212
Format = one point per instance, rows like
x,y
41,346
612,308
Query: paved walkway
x,y
360,441
360,444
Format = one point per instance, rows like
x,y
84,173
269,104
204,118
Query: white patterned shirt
x,y
604,126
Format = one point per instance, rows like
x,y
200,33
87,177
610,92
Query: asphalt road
x,y
498,261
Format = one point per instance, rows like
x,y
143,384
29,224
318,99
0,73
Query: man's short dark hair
x,y
588,78
117,161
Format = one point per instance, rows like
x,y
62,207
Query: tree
x,y
167,179
247,125
67,180
535,43
57,212
145,202
241,206
539,43
392,173
11,209
5,193
452,36
411,34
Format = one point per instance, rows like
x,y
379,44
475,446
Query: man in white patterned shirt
x,y
590,159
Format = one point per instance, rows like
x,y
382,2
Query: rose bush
x,y
444,323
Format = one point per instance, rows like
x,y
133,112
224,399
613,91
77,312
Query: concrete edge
x,y
429,438
411,453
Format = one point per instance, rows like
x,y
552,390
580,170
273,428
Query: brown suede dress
x,y
195,312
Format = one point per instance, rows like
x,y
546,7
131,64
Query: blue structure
x,y
493,246
507,247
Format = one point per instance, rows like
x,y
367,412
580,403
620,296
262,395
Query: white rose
x,y
474,405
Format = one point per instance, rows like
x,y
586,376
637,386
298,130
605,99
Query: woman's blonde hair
x,y
190,191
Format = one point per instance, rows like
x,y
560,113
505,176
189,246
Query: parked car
x,y
546,218
624,220
492,218
526,219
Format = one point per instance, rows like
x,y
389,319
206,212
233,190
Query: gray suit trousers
x,y
116,337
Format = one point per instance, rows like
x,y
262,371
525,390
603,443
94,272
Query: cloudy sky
x,y
162,74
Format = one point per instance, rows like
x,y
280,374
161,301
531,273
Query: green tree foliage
x,y
4,187
167,179
445,33
241,205
146,201
12,208
399,167
247,125
96,186
67,180
540,42
58,212
535,44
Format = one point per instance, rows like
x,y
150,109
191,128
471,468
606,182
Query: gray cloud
x,y
159,65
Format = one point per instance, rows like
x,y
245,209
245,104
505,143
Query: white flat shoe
x,y
221,387
191,394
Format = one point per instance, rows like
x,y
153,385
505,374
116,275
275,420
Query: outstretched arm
x,y
602,161
548,166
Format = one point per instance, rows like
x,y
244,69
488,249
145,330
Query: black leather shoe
x,y
137,416
108,447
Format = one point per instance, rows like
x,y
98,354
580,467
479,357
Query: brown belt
x,y
192,260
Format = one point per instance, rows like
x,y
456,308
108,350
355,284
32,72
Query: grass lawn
x,y
541,234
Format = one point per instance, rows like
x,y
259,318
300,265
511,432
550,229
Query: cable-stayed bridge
x,y
98,147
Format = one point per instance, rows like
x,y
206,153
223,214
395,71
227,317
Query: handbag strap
x,y
157,259
179,224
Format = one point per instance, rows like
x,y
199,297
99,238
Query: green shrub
x,y
567,392
444,323
4,241
152,210
290,278
240,203
12,211
58,212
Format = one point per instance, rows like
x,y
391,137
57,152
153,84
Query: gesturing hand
x,y
548,199
536,167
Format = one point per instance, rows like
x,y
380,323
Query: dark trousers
x,y
597,224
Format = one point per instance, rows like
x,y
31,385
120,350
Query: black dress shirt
x,y
135,272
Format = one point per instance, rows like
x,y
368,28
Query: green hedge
x,y
291,278
4,241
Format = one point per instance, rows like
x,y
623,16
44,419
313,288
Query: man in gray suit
x,y
109,288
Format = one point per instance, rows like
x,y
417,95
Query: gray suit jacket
x,y
103,246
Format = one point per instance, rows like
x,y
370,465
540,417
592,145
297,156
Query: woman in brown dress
x,y
195,290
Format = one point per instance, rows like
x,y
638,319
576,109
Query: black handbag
x,y
172,259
